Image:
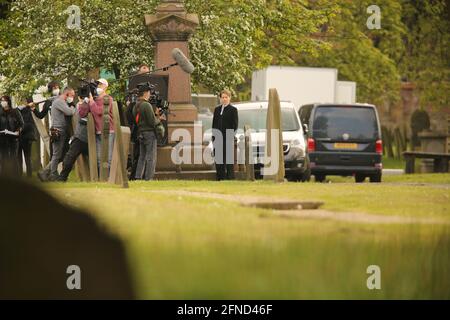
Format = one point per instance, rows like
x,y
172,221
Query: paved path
x,y
354,217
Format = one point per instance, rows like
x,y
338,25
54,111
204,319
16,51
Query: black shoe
x,y
61,178
54,177
42,176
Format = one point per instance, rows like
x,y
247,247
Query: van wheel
x,y
319,177
359,178
376,178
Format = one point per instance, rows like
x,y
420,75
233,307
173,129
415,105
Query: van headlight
x,y
296,151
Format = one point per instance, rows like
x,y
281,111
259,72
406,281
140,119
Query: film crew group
x,y
61,108
27,134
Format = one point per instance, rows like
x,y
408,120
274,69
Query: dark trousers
x,y
224,166
58,149
147,156
66,148
76,148
25,148
224,172
134,159
9,147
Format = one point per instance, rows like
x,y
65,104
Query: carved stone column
x,y
171,27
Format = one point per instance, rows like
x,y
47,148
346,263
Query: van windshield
x,y
339,123
256,118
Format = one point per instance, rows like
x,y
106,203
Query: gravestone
x,y
40,238
274,139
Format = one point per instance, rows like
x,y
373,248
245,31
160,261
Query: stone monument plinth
x,y
171,27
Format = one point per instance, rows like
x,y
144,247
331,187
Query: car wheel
x,y
319,177
375,178
306,176
359,178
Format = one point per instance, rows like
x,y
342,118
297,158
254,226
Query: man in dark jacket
x,y
27,137
147,122
225,119
54,89
78,144
11,124
135,148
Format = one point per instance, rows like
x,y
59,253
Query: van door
x,y
345,135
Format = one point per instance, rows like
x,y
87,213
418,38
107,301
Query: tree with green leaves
x,y
112,36
235,38
425,60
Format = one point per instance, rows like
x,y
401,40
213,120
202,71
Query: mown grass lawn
x,y
194,247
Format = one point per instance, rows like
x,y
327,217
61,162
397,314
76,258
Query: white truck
x,y
302,85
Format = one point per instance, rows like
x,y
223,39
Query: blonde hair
x,y
225,91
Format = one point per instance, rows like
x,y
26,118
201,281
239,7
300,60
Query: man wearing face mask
x,y
11,124
27,136
54,89
59,133
95,106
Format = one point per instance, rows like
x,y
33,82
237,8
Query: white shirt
x,y
221,111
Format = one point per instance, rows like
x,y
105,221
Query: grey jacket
x,y
60,109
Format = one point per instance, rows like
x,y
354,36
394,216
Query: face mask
x,y
99,91
69,99
5,104
55,92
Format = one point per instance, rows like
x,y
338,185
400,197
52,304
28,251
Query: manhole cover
x,y
285,205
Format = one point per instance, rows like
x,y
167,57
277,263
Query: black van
x,y
343,140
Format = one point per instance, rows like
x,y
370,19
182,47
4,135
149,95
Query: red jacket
x,y
96,108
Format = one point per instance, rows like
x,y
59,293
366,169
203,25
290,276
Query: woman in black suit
x,y
225,118
11,124
27,137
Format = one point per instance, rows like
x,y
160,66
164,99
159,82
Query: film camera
x,y
86,88
158,87
155,98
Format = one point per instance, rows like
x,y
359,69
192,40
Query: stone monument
x,y
171,27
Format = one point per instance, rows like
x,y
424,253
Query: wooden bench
x,y
440,160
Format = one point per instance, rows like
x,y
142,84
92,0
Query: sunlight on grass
x,y
186,247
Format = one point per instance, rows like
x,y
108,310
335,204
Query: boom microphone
x,y
42,101
182,61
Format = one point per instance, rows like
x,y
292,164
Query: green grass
x,y
189,247
417,179
392,163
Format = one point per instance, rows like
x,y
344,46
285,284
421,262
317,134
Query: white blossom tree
x,y
234,38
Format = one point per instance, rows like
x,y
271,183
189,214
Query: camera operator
x,y
59,133
27,136
146,122
95,106
11,124
131,103
78,144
